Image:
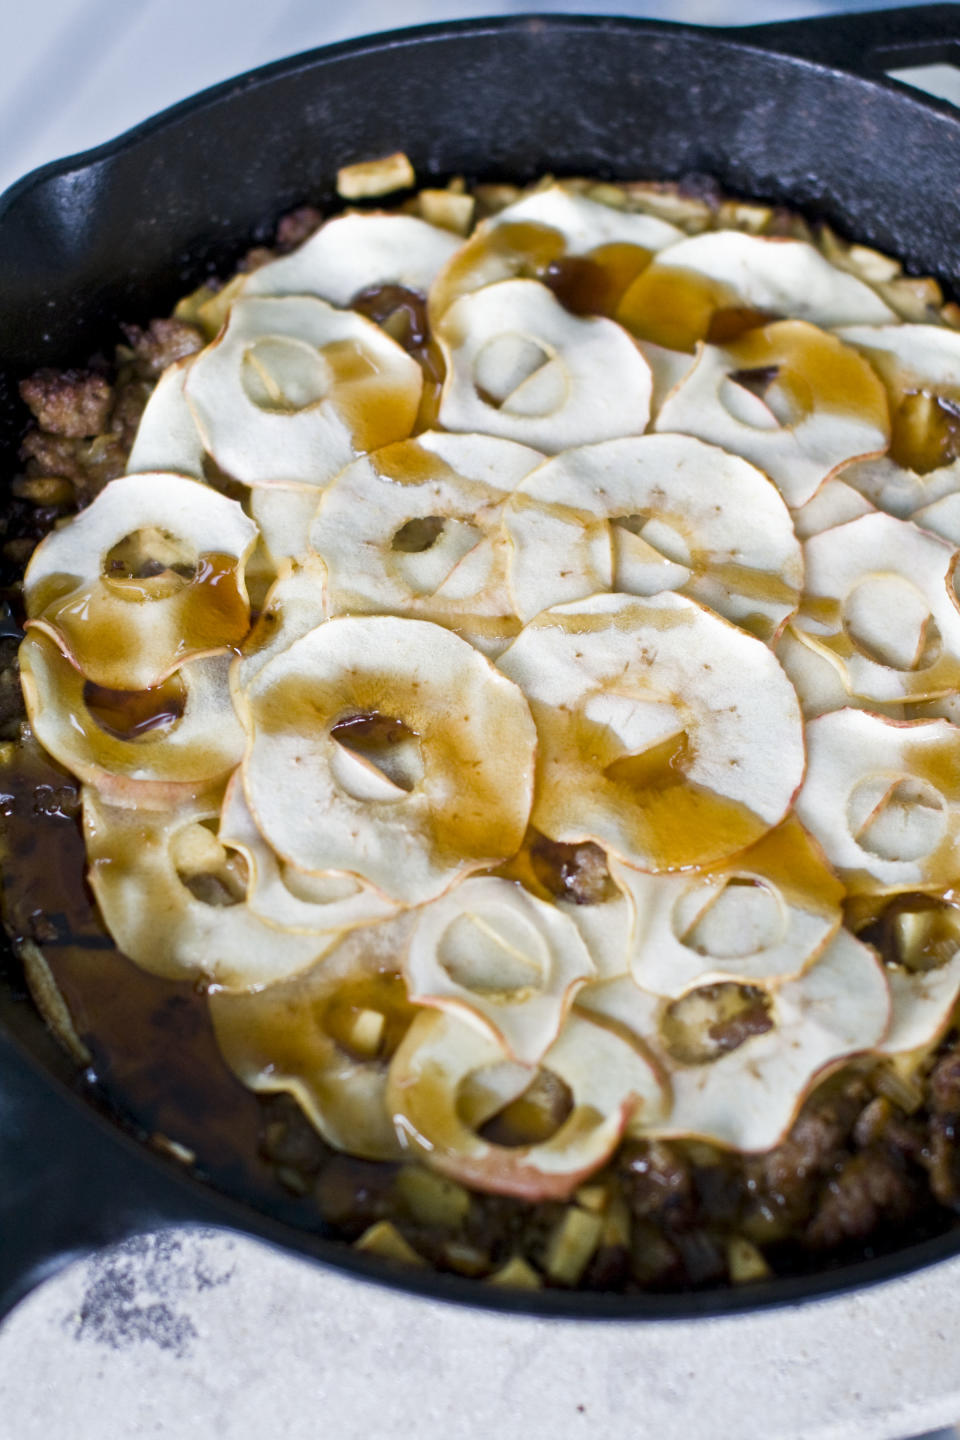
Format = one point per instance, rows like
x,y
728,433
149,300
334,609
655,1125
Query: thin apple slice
x,y
284,514
920,366
666,734
789,398
292,390
818,682
883,800
652,513
353,253
668,368
761,917
295,604
291,900
172,903
167,437
725,279
150,576
326,1036
609,1079
834,503
879,605
923,1006
391,749
415,529
139,748
540,232
941,517
579,881
522,367
890,487
738,1080
918,937
500,959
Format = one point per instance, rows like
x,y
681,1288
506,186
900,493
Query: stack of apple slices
x,y
599,687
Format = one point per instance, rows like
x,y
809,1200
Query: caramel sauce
x,y
378,403
129,714
595,283
754,584
925,431
924,421
793,861
152,562
816,372
377,738
938,764
385,993
402,313
418,535
729,322
590,284
507,251
658,768
102,627
409,463
915,931
675,308
368,733
660,814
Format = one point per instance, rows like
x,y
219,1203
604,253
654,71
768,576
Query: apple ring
x,y
292,390
666,734
500,959
883,799
609,1079
156,878
416,530
652,513
522,367
140,748
390,749
746,1094
326,1037
150,576
789,398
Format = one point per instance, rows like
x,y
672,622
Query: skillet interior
x,y
769,113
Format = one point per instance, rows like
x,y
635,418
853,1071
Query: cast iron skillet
x,y
800,113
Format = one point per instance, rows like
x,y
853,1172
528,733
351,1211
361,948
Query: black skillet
x,y
800,113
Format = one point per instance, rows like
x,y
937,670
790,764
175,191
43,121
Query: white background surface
x,y
86,69
199,1336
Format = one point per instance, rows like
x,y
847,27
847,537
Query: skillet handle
x,y
67,1184
868,43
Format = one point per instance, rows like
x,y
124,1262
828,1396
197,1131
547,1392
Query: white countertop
x,y
196,1335
202,1336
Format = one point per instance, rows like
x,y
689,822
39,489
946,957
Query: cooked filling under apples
x,y
503,653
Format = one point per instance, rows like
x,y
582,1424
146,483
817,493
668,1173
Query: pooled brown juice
x,y
150,1040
